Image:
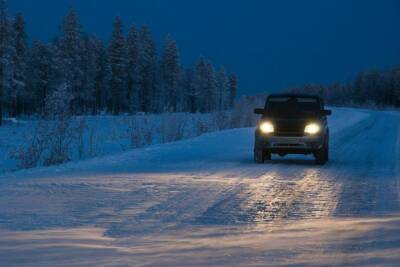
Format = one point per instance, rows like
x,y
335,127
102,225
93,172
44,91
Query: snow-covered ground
x,y
110,135
203,202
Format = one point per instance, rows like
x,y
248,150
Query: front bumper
x,y
289,145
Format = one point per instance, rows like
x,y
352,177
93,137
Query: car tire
x,y
267,155
322,155
259,156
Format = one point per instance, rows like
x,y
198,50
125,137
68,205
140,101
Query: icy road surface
x,y
203,202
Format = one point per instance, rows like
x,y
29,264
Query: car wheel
x,y
259,156
267,155
322,155
327,153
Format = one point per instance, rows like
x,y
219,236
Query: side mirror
x,y
259,111
326,112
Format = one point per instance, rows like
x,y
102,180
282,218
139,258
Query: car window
x,y
292,106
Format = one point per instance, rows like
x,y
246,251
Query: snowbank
x,y
96,136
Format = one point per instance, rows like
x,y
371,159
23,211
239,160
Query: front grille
x,y
289,134
288,145
289,129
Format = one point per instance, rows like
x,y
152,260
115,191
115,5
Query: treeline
x,y
370,89
126,75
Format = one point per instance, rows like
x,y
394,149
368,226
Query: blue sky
x,y
270,44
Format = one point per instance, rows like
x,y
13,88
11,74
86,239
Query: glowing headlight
x,y
312,128
267,127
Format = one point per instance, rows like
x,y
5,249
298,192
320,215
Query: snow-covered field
x,y
203,202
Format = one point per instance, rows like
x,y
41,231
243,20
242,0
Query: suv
x,y
292,124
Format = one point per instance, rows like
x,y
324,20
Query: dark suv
x,y
292,124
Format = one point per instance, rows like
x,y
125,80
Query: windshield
x,y
293,106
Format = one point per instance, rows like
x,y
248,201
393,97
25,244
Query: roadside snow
x,y
97,136
345,117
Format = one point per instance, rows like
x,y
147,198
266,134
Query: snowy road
x,y
203,202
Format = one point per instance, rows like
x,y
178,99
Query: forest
x,y
371,89
127,74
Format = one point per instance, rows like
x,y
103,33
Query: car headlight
x,y
267,127
312,128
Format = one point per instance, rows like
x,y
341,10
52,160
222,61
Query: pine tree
x,y
89,72
233,87
210,92
3,56
189,91
200,83
206,86
19,62
117,55
40,73
102,78
222,90
70,47
21,45
170,70
134,50
148,96
7,51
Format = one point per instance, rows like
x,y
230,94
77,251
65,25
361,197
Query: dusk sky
x,y
269,44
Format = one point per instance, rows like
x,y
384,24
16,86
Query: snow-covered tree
x,y
233,87
134,51
206,86
70,46
103,76
222,90
148,98
200,83
7,51
19,62
89,71
190,93
209,94
117,58
40,73
170,69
